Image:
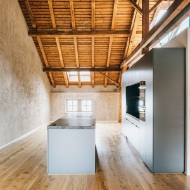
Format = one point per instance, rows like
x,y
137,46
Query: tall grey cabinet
x,y
161,137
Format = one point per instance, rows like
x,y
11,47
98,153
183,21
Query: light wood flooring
x,y
23,166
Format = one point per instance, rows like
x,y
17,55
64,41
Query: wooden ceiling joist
x,y
155,6
93,65
136,6
114,14
64,34
30,13
79,81
93,14
45,60
52,14
61,61
72,14
92,79
95,69
173,14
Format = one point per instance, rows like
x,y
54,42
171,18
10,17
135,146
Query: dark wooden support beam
x,y
174,13
110,79
98,33
139,10
99,69
145,18
155,6
30,13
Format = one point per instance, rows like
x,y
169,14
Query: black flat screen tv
x,y
132,100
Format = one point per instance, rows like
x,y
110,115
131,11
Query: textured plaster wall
x,y
25,90
106,104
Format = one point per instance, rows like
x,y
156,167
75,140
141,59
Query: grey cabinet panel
x,y
161,136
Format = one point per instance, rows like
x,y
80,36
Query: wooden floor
x,y
23,166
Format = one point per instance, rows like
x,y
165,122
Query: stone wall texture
x,y
24,88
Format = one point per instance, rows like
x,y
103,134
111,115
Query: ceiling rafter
x,y
68,34
30,13
45,60
155,6
136,6
52,14
93,14
174,13
79,80
72,14
61,61
92,74
145,18
135,22
95,69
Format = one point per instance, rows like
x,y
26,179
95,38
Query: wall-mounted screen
x,y
135,100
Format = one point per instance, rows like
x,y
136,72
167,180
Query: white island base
x,y
71,149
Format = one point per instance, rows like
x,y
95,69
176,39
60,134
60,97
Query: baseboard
x,y
25,135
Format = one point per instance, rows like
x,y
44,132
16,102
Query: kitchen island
x,y
71,145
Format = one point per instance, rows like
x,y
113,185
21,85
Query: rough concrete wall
x,y
106,104
24,88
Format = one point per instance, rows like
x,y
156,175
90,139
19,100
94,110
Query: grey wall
x,y
106,104
25,90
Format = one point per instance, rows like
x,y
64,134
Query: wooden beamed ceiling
x,y
90,35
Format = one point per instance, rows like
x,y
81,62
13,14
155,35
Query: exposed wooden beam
x,y
45,60
76,52
92,78
139,10
72,14
110,79
114,14
119,78
61,61
145,18
93,14
52,14
92,74
79,81
96,69
30,13
98,33
134,25
173,14
108,60
155,6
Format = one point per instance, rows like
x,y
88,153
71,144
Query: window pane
x,y
74,108
89,102
75,102
89,108
70,102
84,108
70,108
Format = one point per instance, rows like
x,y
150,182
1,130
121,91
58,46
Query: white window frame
x,y
79,106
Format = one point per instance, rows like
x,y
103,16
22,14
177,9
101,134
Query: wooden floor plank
x,y
23,165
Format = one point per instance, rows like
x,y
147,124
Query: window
x,y
74,76
86,105
79,105
72,105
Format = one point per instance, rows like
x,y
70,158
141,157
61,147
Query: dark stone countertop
x,y
74,122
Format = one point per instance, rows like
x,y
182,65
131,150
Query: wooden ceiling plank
x,y
61,61
95,69
93,14
145,18
134,25
52,14
174,13
155,6
98,33
136,6
45,60
30,13
110,79
72,14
